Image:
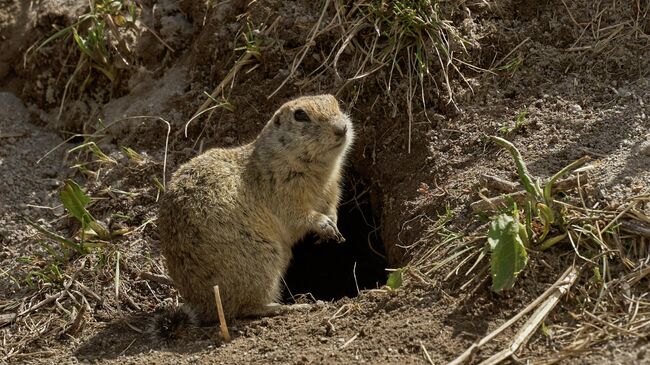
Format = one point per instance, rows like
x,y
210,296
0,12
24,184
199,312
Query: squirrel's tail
x,y
170,321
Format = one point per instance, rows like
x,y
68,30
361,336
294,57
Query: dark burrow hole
x,y
327,270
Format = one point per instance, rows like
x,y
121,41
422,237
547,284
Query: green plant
x,y
251,43
507,238
520,121
441,246
509,234
90,32
222,103
131,154
95,151
160,188
511,66
395,279
90,158
91,235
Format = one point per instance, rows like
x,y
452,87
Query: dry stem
x,y
222,318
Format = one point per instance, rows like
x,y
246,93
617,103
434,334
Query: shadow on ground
x,y
119,338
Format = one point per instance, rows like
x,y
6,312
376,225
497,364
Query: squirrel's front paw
x,y
327,230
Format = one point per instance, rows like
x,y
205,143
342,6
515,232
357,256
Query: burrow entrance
x,y
327,270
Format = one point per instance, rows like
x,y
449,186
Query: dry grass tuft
x,y
408,43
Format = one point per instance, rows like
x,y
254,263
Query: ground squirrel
x,y
230,217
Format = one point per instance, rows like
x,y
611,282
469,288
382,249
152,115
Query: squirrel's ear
x,y
276,119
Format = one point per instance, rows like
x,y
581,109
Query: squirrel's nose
x,y
340,131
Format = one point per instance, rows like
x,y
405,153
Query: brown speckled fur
x,y
229,217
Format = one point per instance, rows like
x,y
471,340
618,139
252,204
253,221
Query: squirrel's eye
x,y
301,116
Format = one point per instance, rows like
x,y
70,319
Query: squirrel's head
x,y
313,127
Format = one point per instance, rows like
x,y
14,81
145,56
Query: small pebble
x,y
623,92
576,109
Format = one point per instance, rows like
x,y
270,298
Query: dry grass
x,y
98,38
74,273
409,46
250,56
610,244
91,286
605,29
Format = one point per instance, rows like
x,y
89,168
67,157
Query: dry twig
x,y
222,318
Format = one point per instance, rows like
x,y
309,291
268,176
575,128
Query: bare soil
x,y
583,82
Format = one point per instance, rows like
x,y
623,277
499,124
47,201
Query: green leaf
x,y
119,232
75,201
53,236
56,35
526,178
110,75
100,230
95,150
548,218
56,237
545,330
548,188
119,20
520,119
548,243
82,43
158,184
528,211
509,255
131,154
132,11
395,278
